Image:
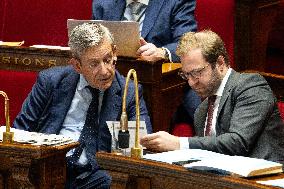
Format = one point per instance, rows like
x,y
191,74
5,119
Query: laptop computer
x,y
126,34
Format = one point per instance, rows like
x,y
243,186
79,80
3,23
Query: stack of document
x,y
276,182
203,160
34,138
173,157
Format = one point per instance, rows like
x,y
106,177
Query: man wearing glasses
x,y
239,114
77,100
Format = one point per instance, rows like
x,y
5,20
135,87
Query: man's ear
x,y
220,64
76,65
114,50
220,61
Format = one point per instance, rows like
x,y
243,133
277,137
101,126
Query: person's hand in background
x,y
149,52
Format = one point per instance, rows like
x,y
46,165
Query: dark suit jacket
x,y
45,108
248,120
165,20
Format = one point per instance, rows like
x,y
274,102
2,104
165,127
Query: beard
x,y
213,85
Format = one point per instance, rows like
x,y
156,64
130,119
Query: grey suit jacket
x,y
164,23
46,106
248,121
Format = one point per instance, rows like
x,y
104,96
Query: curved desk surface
x,y
144,174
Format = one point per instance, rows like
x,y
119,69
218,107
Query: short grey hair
x,y
87,35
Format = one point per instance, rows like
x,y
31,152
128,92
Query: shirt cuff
x,y
183,141
169,53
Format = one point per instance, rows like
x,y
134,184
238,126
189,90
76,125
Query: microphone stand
x,y
123,134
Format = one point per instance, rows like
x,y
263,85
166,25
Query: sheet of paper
x,y
276,182
126,34
114,127
237,165
216,162
34,138
181,155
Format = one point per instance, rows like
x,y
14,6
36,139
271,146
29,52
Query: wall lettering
x,y
27,61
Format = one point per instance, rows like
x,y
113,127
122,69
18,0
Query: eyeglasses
x,y
194,74
110,61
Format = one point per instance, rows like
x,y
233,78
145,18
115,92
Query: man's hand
x,y
149,52
160,141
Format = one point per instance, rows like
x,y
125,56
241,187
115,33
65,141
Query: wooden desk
x,y
128,173
163,88
28,166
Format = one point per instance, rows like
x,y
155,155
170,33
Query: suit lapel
x,y
151,14
111,106
116,11
200,117
228,87
63,97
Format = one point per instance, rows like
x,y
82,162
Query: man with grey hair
x,y
77,100
239,114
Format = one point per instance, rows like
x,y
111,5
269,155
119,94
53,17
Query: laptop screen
x,y
126,34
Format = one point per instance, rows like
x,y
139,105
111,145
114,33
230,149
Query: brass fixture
x,y
8,137
123,136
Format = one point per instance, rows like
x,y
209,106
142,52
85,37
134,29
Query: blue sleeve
x,y
182,21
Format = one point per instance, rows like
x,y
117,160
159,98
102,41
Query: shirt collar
x,y
223,83
82,83
145,2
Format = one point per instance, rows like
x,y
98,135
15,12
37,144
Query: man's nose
x,y
103,68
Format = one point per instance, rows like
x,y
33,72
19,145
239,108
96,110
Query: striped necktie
x,y
135,11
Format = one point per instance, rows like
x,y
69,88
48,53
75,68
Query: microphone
x,y
8,137
123,134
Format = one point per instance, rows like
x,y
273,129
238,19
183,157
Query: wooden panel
x,y
28,166
163,90
156,175
31,59
253,23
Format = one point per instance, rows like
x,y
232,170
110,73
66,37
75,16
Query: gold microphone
x,y
123,135
8,137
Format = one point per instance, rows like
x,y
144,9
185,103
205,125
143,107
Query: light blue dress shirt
x,y
76,115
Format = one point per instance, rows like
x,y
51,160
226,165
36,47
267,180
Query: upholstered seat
x,y
281,108
17,85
